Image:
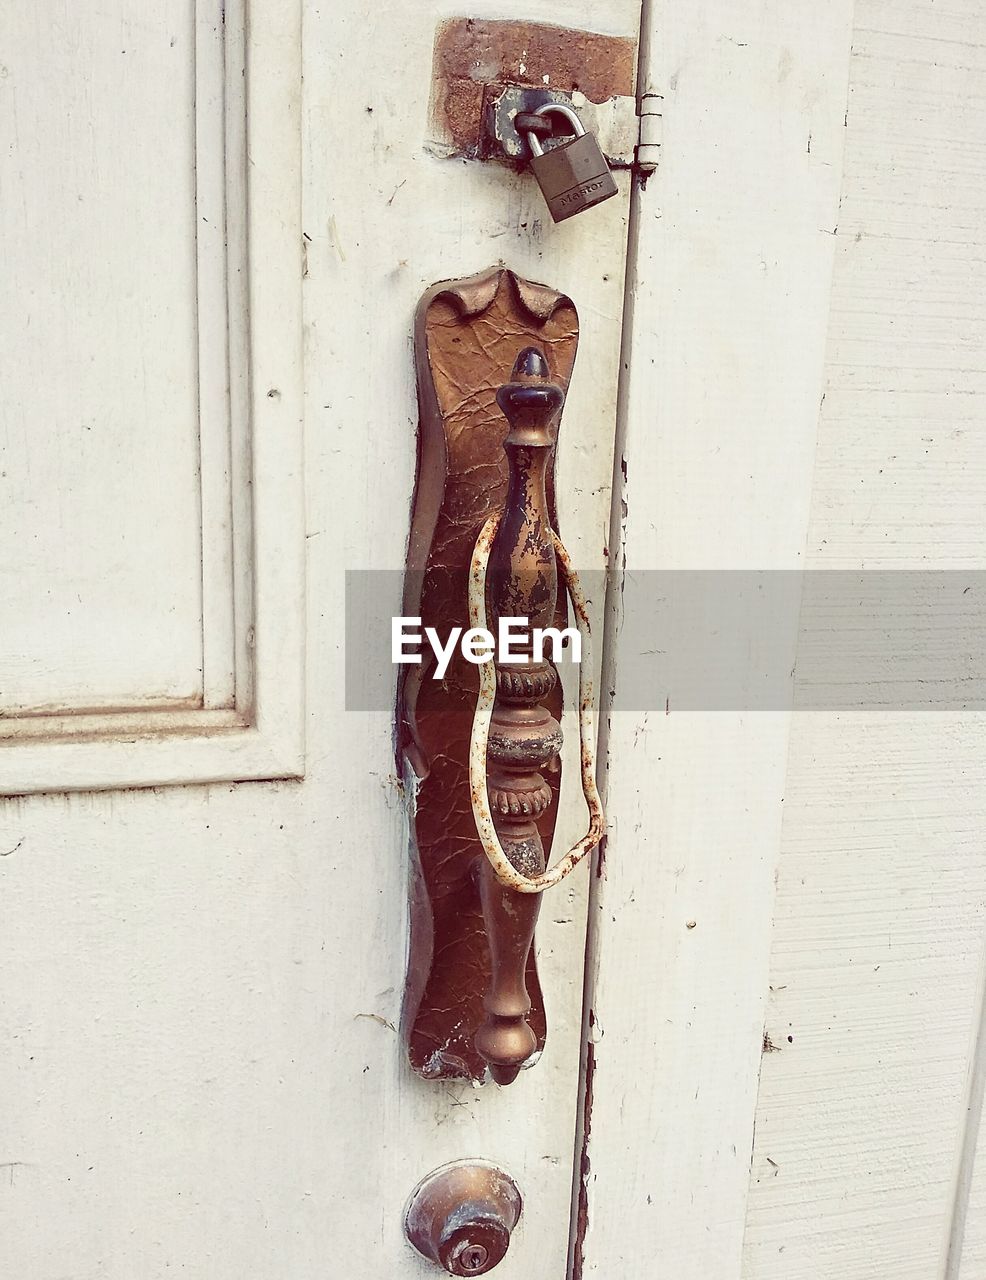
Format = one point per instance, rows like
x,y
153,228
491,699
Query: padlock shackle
x,y
554,108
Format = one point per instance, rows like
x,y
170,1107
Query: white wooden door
x,y
216,221
798,885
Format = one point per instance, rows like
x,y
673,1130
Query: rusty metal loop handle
x,y
505,871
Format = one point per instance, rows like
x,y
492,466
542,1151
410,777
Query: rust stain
x,y
582,1218
601,859
475,57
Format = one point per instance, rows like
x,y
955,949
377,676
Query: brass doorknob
x,y
461,1216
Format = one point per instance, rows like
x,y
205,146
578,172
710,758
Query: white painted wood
x,y
100,525
219,93
240,497
862,1165
966,1254
874,972
723,364
201,983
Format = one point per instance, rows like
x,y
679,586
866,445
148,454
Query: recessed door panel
x,y
100,574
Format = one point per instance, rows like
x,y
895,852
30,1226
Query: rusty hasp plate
x,y
468,335
484,71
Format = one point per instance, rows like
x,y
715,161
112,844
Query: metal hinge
x,y
650,133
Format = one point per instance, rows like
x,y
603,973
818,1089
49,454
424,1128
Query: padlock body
x,y
573,177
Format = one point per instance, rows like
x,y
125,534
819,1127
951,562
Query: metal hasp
x,y
468,334
508,118
461,1216
484,71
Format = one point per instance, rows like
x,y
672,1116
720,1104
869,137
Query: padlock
x,y
574,175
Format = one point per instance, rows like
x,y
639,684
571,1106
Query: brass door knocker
x,y
480,748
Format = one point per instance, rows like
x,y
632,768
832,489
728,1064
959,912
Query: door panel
x,y
733,259
814,1094
387,219
100,510
875,974
151,416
